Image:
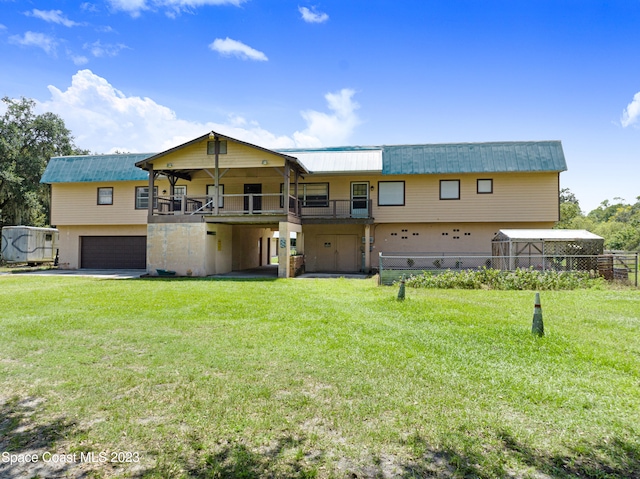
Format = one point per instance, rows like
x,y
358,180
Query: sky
x,y
147,75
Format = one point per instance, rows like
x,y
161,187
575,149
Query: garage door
x,y
113,252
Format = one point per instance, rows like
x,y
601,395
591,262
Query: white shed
x,y
29,244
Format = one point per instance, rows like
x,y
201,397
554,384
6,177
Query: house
x,y
213,204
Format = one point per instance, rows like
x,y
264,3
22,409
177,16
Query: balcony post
x,y
286,188
216,175
367,249
150,195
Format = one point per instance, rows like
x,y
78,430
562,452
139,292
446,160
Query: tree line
x,y
618,222
28,140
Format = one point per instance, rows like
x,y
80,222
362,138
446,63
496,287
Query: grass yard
x,y
314,378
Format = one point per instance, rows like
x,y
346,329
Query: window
x,y
211,192
449,189
142,197
179,191
211,147
485,186
312,195
105,196
390,193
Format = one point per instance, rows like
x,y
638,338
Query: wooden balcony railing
x,y
261,204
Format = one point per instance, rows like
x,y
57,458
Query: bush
x,y
521,279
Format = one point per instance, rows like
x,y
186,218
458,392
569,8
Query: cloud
x,y
104,119
330,129
99,50
52,16
631,114
229,47
172,7
313,16
33,39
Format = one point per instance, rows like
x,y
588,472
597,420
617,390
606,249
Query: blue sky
x,y
144,75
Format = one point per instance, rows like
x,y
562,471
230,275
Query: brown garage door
x,y
113,252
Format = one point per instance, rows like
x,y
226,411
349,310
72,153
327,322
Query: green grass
x,y
320,378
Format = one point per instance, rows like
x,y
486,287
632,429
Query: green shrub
x,y
521,279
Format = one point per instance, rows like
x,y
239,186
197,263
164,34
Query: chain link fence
x,y
612,265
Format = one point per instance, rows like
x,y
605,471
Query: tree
x,y
569,209
27,141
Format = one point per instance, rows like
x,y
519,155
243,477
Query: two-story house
x,y
212,205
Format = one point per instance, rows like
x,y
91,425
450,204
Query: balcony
x,y
263,205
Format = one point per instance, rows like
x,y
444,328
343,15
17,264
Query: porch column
x,y
150,195
367,249
295,193
287,186
216,176
284,249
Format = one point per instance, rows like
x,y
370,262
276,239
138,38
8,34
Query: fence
x,y
618,266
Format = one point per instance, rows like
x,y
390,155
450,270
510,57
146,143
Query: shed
x,y
560,250
29,244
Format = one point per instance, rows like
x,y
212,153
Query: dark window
x,y
311,195
211,147
142,197
105,196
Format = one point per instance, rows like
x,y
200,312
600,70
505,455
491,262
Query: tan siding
x,y
515,197
76,203
237,156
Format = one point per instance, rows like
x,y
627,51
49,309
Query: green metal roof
x,y
473,158
94,168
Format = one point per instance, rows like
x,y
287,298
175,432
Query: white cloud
x,y
104,119
52,16
631,114
135,7
330,129
98,50
33,39
313,16
229,47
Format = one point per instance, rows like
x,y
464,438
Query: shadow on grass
x,y
21,436
613,459
285,460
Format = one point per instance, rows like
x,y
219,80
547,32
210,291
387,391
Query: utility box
x,y
29,244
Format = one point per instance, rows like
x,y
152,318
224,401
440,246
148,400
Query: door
x,y
337,253
256,190
360,199
113,252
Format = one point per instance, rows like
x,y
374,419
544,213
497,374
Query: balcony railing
x,y
260,204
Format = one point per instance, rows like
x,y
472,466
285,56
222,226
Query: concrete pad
x,y
90,273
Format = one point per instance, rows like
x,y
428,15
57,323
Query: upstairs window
x,y
211,147
105,196
390,193
485,186
449,189
142,197
312,195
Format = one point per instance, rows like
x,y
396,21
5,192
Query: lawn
x,y
314,378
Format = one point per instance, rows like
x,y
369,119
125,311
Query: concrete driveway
x,y
91,273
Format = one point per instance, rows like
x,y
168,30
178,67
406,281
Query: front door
x,y
254,189
360,199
